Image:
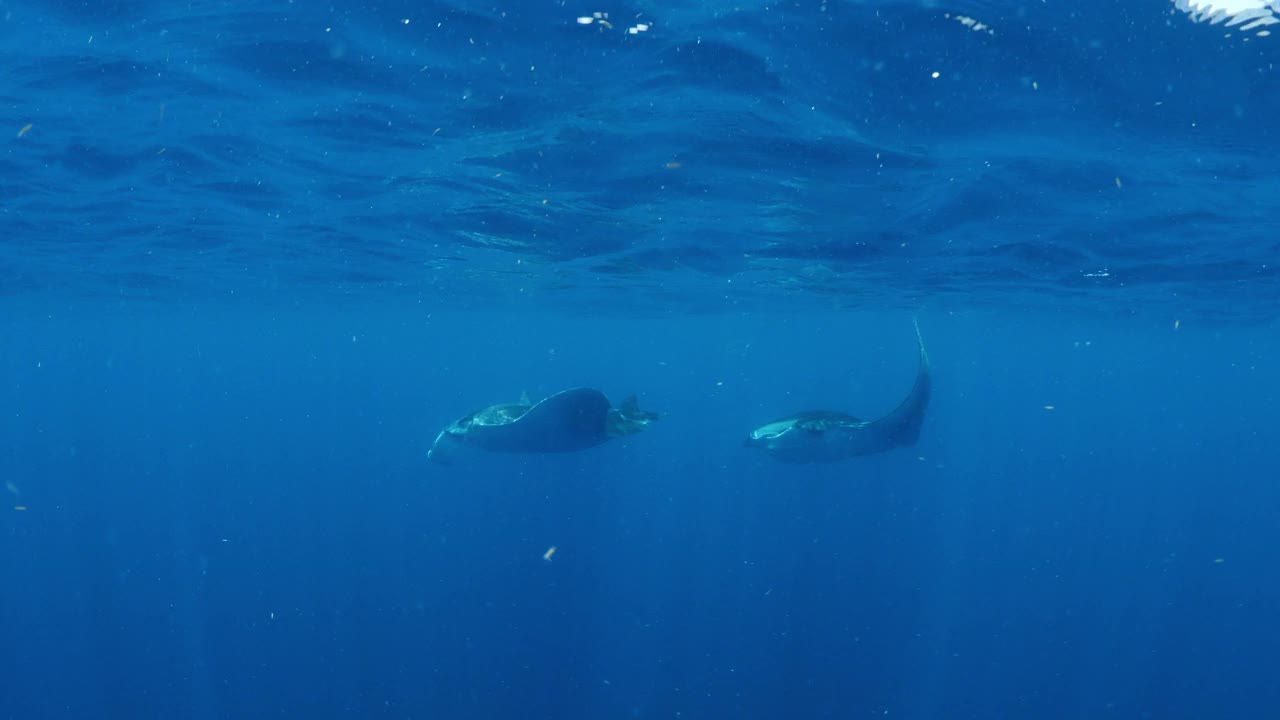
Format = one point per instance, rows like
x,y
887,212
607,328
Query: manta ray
x,y
828,435
567,421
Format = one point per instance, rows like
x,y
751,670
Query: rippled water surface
x,y
725,155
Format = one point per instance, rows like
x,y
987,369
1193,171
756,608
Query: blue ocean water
x,y
254,257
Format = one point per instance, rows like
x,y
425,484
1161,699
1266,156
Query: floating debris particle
x,y
20,508
8,485
550,551
1048,407
673,165
25,129
1219,561
1177,324
1118,183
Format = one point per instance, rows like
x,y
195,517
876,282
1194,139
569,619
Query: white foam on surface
x,y
1246,15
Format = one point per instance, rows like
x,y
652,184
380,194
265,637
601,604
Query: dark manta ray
x,y
568,421
826,436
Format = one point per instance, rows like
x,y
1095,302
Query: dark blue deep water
x,y
254,256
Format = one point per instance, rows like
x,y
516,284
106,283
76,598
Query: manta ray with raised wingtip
x,y
828,435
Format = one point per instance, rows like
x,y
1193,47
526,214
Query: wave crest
x,y
1249,14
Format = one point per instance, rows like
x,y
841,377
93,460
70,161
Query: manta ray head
x,y
768,437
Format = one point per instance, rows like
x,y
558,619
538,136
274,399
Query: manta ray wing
x,y
565,422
